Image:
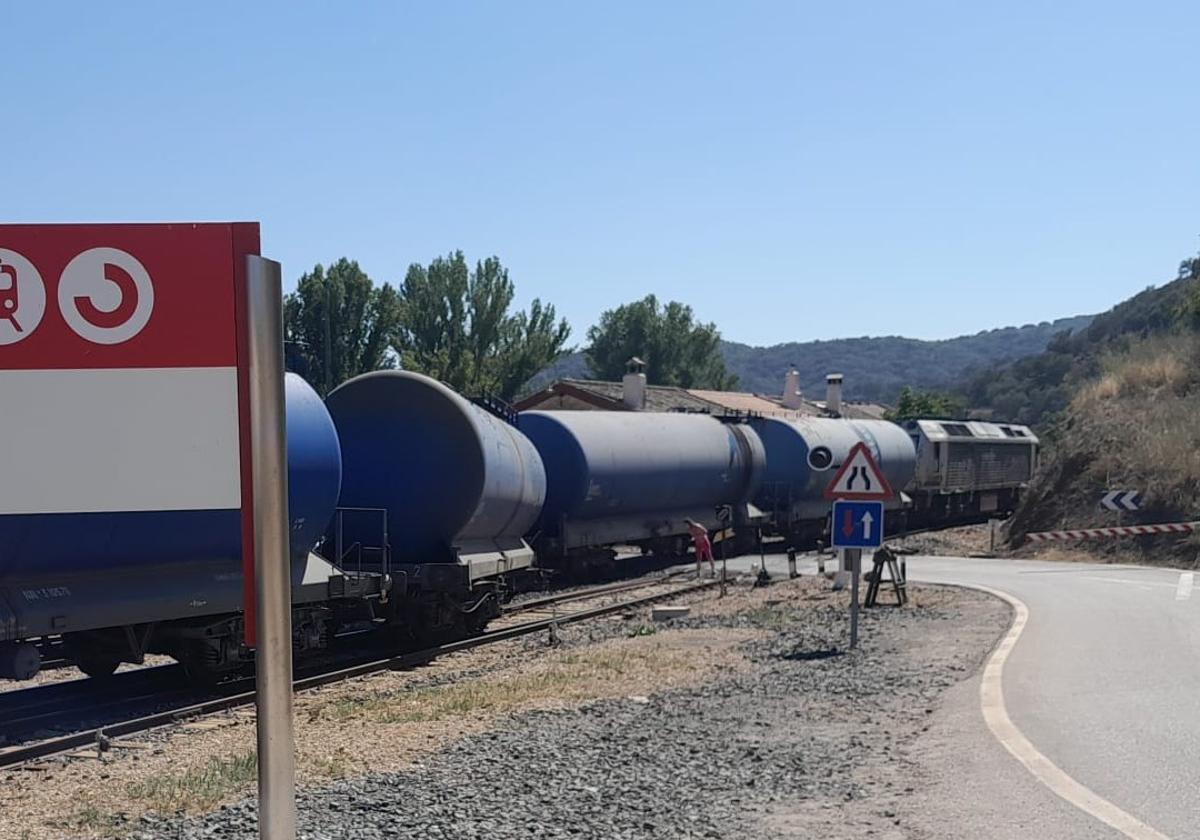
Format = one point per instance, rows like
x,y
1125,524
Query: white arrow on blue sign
x,y
1121,500
857,524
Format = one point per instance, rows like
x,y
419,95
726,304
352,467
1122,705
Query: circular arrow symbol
x,y
106,295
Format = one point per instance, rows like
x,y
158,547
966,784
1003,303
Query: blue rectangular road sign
x,y
857,524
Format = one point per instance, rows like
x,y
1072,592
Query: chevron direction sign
x,y
1121,500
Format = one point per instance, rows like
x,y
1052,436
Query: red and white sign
x,y
859,478
1120,531
119,367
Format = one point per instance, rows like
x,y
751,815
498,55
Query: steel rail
x,y
104,735
582,594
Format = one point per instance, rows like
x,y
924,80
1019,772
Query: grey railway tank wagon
x,y
804,454
633,478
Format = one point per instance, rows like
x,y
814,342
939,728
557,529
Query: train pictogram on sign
x,y
8,295
22,297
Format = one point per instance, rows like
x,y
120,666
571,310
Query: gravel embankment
x,y
808,741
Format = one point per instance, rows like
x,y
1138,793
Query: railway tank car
x,y
632,478
438,493
803,455
118,586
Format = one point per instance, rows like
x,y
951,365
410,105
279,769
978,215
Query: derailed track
x,y
103,736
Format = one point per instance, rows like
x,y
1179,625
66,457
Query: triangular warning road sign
x,y
859,478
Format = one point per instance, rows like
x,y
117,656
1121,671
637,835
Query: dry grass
x,y
1139,418
381,723
564,678
90,819
196,789
1151,367
1134,427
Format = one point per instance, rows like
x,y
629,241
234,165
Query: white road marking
x,y
1144,583
1184,590
991,697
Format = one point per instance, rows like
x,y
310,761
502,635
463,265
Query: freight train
x,y
414,511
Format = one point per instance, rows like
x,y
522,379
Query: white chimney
x,y
633,384
833,393
792,398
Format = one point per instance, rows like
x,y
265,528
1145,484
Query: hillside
x,y
1132,427
875,368
1118,405
1033,390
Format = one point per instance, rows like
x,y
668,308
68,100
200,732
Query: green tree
x,y
1189,310
676,348
913,405
455,325
338,324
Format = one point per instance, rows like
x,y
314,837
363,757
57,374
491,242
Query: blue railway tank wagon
x,y
437,494
804,454
969,470
628,478
116,586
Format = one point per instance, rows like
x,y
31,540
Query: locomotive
x,y
415,511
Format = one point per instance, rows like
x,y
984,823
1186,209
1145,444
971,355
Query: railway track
x,y
533,616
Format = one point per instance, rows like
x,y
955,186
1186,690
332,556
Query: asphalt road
x,y
1104,681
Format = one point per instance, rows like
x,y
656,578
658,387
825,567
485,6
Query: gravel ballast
x,y
809,740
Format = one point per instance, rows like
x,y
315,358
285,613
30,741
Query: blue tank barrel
x,y
53,544
314,464
609,465
448,472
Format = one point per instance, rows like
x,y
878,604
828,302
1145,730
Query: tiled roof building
x,y
633,394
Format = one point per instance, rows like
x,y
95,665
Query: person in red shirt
x,y
703,545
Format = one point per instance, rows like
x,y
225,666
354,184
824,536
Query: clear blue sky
x,y
792,170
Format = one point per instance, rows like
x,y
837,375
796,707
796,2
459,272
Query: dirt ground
x,y
977,541
398,721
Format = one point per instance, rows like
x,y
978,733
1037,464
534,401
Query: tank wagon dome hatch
x,y
39,547
616,476
804,454
454,482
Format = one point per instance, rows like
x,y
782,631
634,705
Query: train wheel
x,y
200,674
97,665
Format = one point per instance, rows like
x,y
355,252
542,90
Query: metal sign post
x,y
855,557
272,568
858,490
724,561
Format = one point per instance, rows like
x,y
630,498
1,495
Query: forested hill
x,y
875,368
1033,389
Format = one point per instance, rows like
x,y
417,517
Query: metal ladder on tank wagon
x,y
356,558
